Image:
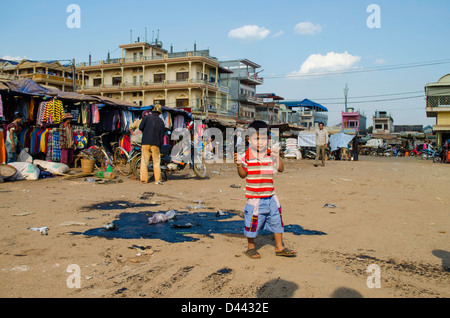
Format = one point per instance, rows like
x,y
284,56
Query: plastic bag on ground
x,y
158,218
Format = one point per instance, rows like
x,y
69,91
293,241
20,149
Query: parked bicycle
x,y
118,159
170,164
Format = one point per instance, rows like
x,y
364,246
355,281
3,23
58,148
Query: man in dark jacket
x,y
152,127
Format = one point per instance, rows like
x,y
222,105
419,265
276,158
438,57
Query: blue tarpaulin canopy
x,y
27,86
306,103
340,140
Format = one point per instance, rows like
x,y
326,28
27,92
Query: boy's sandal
x,y
286,252
252,253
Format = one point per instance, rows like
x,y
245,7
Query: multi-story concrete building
x,y
242,79
354,121
147,74
438,106
382,123
48,74
270,110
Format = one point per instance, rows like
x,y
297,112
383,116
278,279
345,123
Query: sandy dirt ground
x,y
391,212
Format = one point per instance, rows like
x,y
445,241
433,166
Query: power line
x,y
363,70
367,96
379,100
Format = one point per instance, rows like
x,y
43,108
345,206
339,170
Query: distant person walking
x,y
321,144
152,128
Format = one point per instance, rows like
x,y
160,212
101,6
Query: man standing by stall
x,y
321,144
152,128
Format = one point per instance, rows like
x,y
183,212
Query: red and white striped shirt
x,y
259,175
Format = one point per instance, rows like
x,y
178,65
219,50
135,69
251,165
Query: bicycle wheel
x,y
136,169
200,169
121,161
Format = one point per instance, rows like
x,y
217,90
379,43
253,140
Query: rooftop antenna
x,y
131,36
145,34
345,95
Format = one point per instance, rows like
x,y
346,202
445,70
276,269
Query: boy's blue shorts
x,y
262,214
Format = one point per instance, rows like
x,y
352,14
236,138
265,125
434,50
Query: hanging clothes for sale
x,y
53,146
50,112
167,118
2,148
1,107
125,142
178,123
95,115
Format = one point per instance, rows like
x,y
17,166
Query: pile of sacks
x,y
291,149
28,169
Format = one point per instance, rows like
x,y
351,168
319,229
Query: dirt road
x,y
391,212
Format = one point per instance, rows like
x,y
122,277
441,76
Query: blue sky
x,y
285,37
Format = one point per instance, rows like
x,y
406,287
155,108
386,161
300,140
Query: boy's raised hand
x,y
235,157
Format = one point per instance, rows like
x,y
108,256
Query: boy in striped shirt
x,y
263,210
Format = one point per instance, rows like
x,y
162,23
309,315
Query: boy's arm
x,y
280,164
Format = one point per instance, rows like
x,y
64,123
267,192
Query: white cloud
x,y
307,28
279,33
380,61
330,62
249,33
13,58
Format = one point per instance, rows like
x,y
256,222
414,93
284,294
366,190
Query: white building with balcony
x,y
242,81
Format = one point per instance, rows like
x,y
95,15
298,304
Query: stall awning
x,y
305,103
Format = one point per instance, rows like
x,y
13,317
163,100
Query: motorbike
x,y
416,151
170,164
439,155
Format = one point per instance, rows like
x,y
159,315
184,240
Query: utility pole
x,y
73,76
345,95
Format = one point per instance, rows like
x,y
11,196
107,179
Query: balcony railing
x,y
162,84
250,99
203,53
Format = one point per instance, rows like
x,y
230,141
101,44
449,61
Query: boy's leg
x,y
280,250
251,249
278,242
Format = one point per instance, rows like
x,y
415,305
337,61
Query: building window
x,y
182,76
378,126
182,102
159,78
97,81
116,81
161,102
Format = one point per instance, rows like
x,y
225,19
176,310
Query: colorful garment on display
x,y
167,118
50,112
1,106
125,143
